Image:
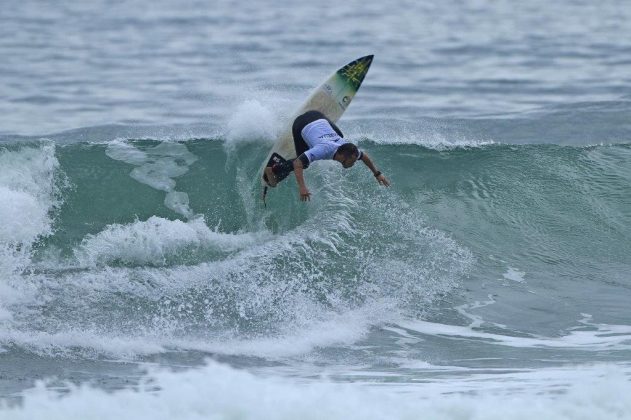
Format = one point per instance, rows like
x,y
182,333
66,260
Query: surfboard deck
x,y
331,98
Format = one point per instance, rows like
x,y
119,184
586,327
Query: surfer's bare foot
x,y
271,178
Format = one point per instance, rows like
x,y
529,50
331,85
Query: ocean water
x,y
141,276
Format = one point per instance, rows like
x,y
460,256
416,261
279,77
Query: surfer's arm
x,y
305,195
380,177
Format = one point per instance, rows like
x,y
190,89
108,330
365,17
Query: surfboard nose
x,y
355,71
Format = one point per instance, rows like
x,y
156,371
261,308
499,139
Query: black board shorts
x,y
301,122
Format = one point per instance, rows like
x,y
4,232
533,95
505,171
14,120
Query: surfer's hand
x,y
383,180
305,195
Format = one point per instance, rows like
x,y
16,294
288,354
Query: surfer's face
x,y
350,161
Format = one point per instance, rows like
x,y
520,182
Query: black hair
x,y
348,150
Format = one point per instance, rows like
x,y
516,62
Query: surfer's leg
x,y
299,123
299,143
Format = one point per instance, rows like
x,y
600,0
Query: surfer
x,y
318,138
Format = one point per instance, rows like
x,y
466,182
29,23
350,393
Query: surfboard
x,y
331,98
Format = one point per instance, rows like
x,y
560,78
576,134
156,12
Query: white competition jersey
x,y
322,140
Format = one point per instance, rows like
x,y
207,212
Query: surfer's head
x,y
347,154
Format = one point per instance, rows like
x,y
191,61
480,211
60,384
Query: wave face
x,y
137,247
169,242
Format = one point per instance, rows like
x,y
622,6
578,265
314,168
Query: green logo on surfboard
x,y
354,72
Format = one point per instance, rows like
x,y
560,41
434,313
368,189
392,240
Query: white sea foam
x,y
252,121
83,343
23,217
303,324
157,167
156,239
27,195
217,391
425,135
125,152
590,336
329,330
514,274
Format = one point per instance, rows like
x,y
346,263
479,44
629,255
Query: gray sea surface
x,y
141,276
